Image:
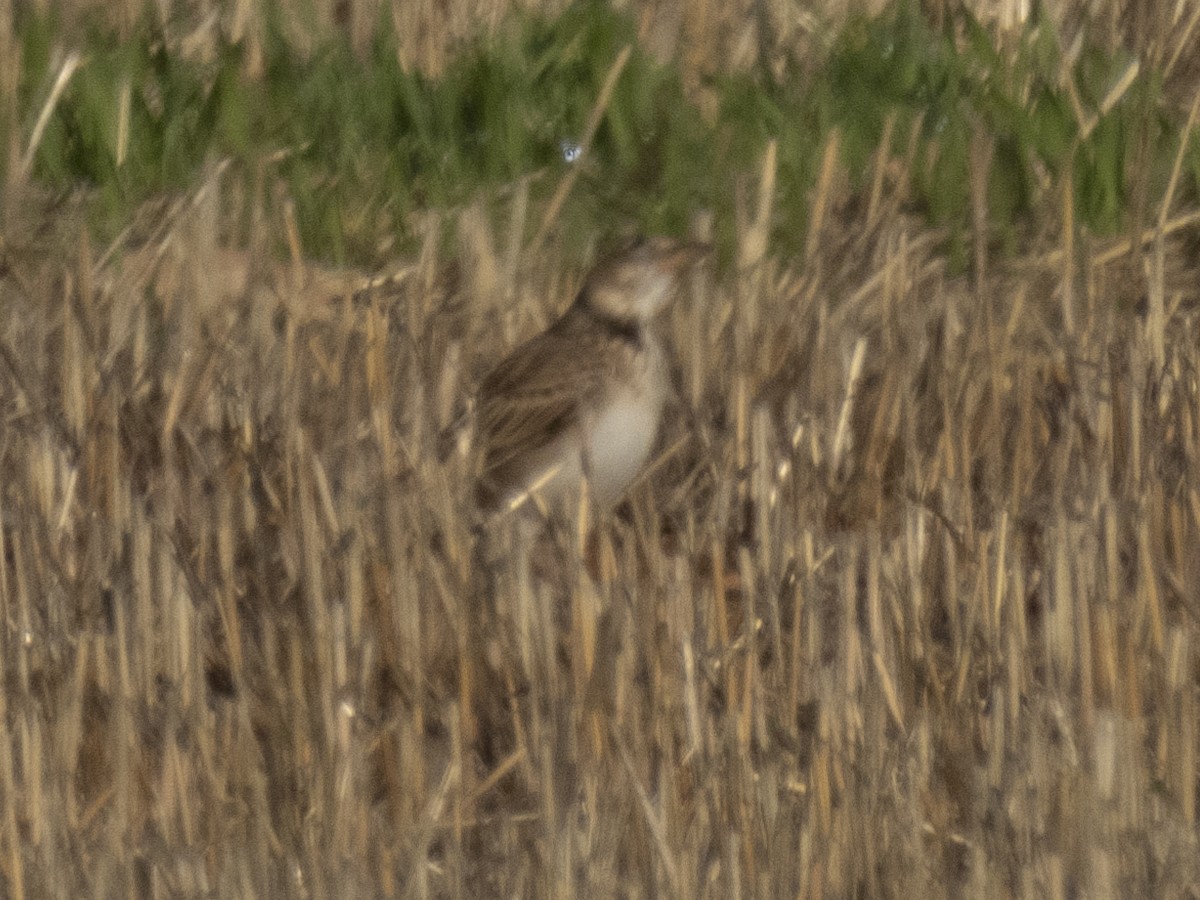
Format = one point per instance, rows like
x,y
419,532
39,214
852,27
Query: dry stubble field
x,y
907,606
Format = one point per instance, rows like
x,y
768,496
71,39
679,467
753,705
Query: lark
x,y
584,397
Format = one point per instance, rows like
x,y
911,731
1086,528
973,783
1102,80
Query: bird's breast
x,y
622,430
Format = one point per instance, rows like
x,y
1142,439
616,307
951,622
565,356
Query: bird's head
x,y
635,283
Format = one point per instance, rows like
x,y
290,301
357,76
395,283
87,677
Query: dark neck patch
x,y
627,330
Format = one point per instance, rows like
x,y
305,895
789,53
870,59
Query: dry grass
x,y
703,35
908,605
919,619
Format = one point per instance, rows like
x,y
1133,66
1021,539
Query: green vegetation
x,y
361,143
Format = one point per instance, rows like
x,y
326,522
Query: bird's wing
x,y
532,397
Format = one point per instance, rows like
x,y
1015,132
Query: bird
x,y
585,397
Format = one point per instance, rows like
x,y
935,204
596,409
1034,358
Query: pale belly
x,y
615,440
619,442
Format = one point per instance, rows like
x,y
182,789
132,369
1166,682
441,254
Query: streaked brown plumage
x,y
587,392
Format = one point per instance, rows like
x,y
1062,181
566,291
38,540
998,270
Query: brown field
x,y
907,606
